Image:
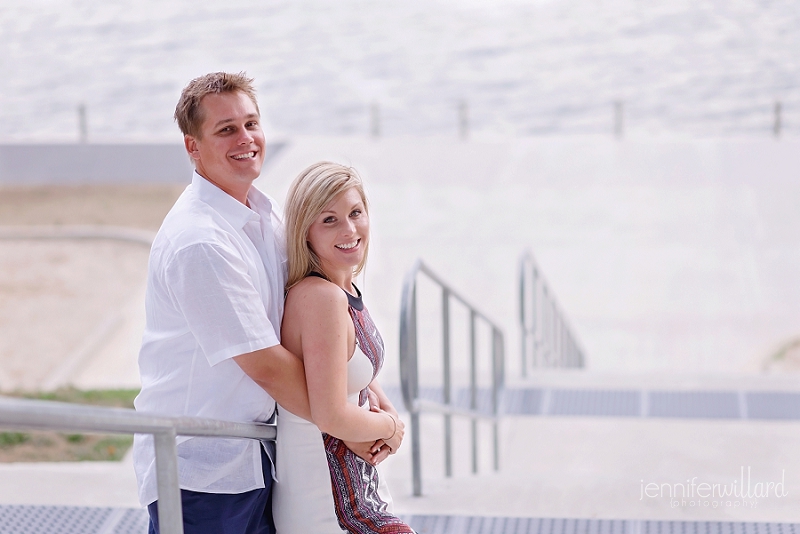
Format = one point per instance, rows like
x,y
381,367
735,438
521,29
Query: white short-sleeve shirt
x,y
214,291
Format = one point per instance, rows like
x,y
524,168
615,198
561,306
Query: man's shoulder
x,y
191,221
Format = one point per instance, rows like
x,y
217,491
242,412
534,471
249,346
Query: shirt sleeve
x,y
211,286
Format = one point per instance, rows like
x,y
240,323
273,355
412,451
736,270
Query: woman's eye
x,y
355,213
328,219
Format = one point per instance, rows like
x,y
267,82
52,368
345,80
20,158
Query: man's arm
x,y
281,374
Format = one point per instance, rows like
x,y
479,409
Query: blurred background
x,y
522,67
647,154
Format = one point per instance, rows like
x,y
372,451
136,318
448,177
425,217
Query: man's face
x,y
230,150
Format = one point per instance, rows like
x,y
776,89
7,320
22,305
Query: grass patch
x,y
44,446
118,398
9,439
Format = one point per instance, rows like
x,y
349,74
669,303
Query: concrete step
x,y
702,404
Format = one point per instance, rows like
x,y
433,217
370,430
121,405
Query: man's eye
x,y
252,124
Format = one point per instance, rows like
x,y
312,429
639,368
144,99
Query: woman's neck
x,y
343,279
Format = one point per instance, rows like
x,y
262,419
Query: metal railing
x,y
409,373
546,337
46,415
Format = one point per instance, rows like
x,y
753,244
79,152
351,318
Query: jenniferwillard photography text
x,y
740,492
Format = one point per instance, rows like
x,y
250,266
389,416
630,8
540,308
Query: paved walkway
x,y
84,520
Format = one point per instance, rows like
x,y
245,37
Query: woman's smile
x,y
349,246
339,234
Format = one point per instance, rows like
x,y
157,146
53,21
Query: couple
x,y
219,344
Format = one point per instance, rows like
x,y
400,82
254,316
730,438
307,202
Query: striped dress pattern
x,y
359,507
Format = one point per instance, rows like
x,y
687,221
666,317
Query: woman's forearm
x,y
349,422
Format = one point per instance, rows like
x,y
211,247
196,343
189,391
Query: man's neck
x,y
239,193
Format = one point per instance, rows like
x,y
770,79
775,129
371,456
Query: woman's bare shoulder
x,y
316,292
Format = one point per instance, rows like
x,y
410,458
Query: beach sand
x,y
139,206
65,303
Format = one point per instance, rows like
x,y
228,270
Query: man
x,y
214,301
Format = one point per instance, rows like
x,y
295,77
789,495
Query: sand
x,y
63,302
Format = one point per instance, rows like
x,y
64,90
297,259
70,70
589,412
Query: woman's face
x,y
339,234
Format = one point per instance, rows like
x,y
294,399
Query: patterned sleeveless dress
x,y
359,507
311,463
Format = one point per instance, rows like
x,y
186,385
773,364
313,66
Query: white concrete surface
x,y
675,261
114,362
669,255
69,483
599,467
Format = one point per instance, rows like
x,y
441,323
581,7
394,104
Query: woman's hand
x,y
394,441
371,452
373,400
377,451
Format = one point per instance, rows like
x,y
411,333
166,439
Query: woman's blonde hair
x,y
311,191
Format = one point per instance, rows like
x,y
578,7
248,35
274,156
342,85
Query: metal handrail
x,y
545,333
409,373
49,415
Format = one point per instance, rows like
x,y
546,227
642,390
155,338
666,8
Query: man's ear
x,y
190,142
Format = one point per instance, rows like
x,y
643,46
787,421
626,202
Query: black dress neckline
x,y
355,301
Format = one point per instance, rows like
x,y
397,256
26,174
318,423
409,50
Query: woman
x,y
327,325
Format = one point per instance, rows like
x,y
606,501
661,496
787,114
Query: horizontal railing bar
x,y
433,406
421,267
50,415
117,233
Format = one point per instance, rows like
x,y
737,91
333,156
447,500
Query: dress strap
x,y
355,301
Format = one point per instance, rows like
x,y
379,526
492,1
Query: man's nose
x,y
245,136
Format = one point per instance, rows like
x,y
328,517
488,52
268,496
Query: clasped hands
x,y
377,451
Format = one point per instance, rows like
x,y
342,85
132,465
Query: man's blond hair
x,y
188,113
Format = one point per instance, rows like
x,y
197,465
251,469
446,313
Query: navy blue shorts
x,y
216,513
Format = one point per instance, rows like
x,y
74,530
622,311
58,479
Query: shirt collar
x,y
259,202
231,209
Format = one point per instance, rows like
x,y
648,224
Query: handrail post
x,y
409,371
473,388
497,385
523,323
409,374
60,416
559,345
170,513
416,449
545,326
536,318
553,342
448,383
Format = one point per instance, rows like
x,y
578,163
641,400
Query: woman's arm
x,y
327,339
386,405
